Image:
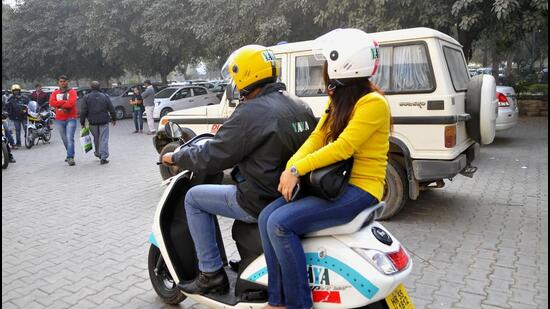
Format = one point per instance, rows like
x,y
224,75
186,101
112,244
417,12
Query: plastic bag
x,y
86,139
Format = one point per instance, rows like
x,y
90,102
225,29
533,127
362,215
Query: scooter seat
x,y
363,218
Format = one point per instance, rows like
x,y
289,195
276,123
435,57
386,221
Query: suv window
x,y
181,94
404,68
309,77
199,91
457,68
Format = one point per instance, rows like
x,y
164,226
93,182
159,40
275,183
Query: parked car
x,y
121,95
176,98
436,135
508,111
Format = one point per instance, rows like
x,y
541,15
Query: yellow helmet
x,y
251,66
15,87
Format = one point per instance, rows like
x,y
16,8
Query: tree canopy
x,y
103,39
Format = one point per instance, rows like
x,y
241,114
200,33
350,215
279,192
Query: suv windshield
x,y
165,93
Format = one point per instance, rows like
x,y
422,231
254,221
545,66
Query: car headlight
x,y
386,263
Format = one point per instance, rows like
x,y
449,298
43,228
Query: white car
x,y
508,111
182,97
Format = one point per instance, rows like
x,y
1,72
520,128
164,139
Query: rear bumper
x,y
429,170
507,119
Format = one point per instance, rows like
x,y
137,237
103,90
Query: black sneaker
x,y
12,160
103,161
71,161
215,282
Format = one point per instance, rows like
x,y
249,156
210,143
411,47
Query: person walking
x,y
138,108
64,102
16,107
148,101
99,110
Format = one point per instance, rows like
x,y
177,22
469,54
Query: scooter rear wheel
x,y
161,279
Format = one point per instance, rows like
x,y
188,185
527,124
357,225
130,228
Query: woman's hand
x,y
287,182
167,159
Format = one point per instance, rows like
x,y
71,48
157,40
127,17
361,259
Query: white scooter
x,y
355,265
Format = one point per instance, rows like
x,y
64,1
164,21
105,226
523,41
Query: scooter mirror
x,y
232,94
173,130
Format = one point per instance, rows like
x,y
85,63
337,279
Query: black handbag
x,y
328,182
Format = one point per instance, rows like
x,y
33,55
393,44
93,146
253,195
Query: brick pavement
x,y
76,237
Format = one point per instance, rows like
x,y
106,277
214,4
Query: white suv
x,y
440,114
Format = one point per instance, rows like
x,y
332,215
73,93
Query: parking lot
x,y
78,236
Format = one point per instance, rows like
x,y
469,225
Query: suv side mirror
x,y
173,130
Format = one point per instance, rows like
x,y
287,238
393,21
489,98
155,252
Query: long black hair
x,y
343,99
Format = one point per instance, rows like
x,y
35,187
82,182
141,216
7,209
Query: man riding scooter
x,y
258,138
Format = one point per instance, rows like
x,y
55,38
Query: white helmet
x,y
350,53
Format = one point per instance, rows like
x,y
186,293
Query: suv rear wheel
x,y
396,190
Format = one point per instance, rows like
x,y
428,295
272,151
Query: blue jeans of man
x,y
18,124
67,129
202,204
138,119
101,140
8,133
281,226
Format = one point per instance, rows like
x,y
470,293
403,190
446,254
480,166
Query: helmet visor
x,y
225,72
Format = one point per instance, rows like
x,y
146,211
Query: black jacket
x,y
259,138
97,106
16,106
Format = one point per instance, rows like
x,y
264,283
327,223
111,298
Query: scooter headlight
x,y
388,264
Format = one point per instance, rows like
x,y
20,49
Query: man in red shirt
x,y
64,102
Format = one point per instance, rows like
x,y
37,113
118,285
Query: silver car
x,y
182,97
508,111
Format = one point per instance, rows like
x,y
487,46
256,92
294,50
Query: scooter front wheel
x,y
161,279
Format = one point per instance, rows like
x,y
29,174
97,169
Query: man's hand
x,y
287,182
167,159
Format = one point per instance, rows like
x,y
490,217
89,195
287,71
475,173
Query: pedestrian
x,y
98,108
11,159
356,124
64,102
40,97
258,138
148,101
138,108
16,107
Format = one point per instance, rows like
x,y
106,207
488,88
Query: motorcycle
x,y
6,155
355,265
39,124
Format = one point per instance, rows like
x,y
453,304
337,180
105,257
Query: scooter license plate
x,y
398,299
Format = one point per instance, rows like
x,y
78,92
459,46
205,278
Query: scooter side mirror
x,y
232,94
173,130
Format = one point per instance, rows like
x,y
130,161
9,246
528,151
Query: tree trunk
x,y
494,60
164,78
508,71
485,56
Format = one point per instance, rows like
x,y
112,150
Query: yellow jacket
x,y
366,138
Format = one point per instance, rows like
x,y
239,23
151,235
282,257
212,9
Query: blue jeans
x,y
67,128
282,224
8,133
18,124
202,204
138,119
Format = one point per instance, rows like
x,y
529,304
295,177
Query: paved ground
x,y
77,236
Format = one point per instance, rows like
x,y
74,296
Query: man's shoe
x,y
71,161
136,131
205,283
12,160
103,161
151,133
